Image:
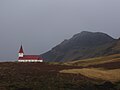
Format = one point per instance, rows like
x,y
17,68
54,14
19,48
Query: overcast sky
x,y
42,24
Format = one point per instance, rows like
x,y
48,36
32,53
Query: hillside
x,y
100,68
110,62
101,73
83,45
43,76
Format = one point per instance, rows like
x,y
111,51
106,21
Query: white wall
x,y
20,54
30,60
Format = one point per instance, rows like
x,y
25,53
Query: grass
x,y
95,61
60,76
42,76
97,73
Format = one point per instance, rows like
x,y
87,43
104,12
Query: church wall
x,y
30,60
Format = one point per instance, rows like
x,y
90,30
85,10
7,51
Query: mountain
x,y
83,45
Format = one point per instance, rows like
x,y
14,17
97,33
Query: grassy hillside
x,y
97,73
42,76
101,68
96,61
102,73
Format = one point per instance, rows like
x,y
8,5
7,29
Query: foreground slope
x,y
110,59
83,45
42,76
100,68
97,73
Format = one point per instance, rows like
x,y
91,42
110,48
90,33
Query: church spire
x,y
21,50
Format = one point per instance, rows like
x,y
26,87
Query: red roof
x,y
30,57
21,50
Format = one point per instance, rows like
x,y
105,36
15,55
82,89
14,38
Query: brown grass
x,y
96,73
95,61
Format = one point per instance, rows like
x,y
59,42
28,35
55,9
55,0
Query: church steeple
x,y
21,52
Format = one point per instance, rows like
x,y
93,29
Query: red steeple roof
x,y
21,50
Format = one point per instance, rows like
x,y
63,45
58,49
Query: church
x,y
28,58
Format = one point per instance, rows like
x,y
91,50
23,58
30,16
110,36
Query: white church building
x,y
28,58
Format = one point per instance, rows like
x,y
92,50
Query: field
x,y
97,73
111,59
38,76
59,76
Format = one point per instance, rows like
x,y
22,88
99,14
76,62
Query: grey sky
x,y
42,24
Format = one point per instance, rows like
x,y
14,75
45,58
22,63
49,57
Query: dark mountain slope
x,y
82,45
